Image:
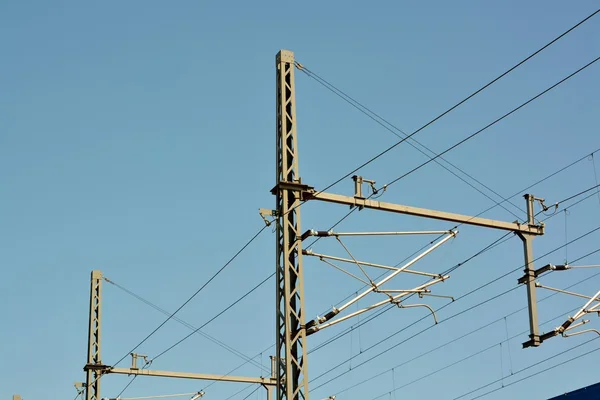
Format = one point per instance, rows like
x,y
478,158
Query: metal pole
x,y
291,335
273,376
92,382
534,330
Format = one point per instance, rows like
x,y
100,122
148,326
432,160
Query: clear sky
x,y
137,138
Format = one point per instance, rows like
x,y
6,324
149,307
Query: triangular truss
x,y
393,296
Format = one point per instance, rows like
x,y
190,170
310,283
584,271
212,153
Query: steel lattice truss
x,y
392,296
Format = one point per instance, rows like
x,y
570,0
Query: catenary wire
x,y
188,325
201,327
195,293
471,136
392,182
213,318
368,162
496,120
348,330
454,315
465,99
465,358
451,316
486,127
497,242
439,347
532,366
382,121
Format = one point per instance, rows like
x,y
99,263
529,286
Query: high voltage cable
x,y
471,136
200,327
487,248
393,181
188,325
477,330
531,366
497,242
375,117
540,372
195,293
339,180
444,306
451,316
466,98
465,358
496,120
458,265
213,318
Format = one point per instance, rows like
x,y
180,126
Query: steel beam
x,y
92,382
291,335
530,228
190,375
529,281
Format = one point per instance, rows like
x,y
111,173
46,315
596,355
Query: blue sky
x,y
138,138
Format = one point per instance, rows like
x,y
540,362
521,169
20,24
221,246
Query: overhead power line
x,y
478,329
374,158
189,326
487,248
475,93
213,318
195,294
379,155
448,318
471,136
496,120
417,146
492,245
562,363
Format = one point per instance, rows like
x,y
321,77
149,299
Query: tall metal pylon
x,y
92,380
291,336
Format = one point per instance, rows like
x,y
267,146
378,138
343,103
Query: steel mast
x,y
291,335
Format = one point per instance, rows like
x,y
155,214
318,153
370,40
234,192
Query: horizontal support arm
x,y
189,375
422,212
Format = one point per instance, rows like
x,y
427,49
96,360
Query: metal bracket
x,y
265,212
295,186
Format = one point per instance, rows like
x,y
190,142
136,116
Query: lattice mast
x,y
92,381
291,336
